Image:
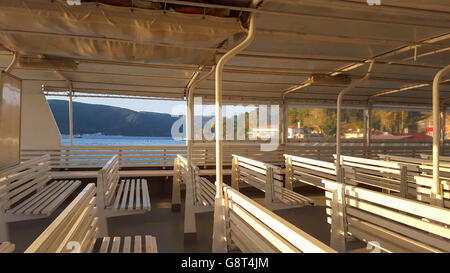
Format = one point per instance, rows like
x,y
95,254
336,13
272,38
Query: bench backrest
x,y
107,180
23,180
386,175
256,229
420,177
76,228
422,191
404,159
263,176
393,223
267,178
309,171
202,191
442,159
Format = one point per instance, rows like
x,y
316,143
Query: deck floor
x,y
167,225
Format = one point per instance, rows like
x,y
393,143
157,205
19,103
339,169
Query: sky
x,y
160,106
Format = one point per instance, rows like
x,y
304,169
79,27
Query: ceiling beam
x,y
283,13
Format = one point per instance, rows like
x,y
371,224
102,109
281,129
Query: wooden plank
x,y
19,208
61,197
297,237
46,198
405,230
409,206
118,195
62,218
137,244
105,245
148,244
125,194
132,193
31,187
115,245
249,238
127,244
145,195
7,247
138,195
400,217
310,161
388,240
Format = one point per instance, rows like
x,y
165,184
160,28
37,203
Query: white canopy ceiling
x,y
155,53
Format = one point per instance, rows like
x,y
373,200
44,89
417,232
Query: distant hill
x,y
110,120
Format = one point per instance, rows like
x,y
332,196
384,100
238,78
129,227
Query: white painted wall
x,y
39,128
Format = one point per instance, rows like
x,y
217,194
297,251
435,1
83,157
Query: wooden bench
x,y
388,223
303,170
119,197
390,177
26,193
269,179
7,247
200,193
76,229
420,177
240,222
443,159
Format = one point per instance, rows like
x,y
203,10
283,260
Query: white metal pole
x,y
368,127
219,118
443,126
13,63
281,126
338,118
189,129
190,113
286,123
436,189
70,115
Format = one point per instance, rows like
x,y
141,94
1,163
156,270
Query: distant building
x,y
263,132
296,132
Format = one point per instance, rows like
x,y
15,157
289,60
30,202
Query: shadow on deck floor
x,y
167,225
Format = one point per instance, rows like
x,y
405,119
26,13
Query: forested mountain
x,y
110,120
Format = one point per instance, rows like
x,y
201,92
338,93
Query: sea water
x,y
98,140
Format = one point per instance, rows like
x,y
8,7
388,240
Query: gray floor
x,y
167,225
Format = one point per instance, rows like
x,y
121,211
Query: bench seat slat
x,y
42,201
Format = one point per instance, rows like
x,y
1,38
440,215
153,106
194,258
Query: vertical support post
x,y
4,231
269,196
289,175
339,114
404,182
101,206
286,124
218,95
220,234
70,115
436,187
190,229
443,127
189,127
176,194
338,221
235,173
283,123
368,128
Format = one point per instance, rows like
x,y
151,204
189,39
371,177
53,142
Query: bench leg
x,y
4,232
102,226
338,229
190,230
176,195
